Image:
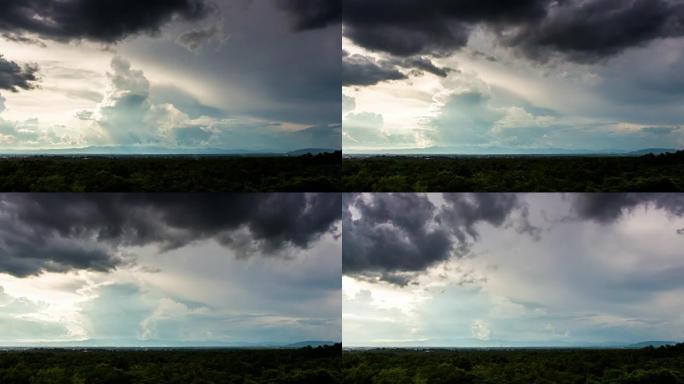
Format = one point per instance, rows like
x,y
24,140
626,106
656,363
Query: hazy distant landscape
x,y
662,172
170,173
434,366
123,366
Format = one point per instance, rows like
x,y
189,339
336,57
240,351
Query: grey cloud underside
x,y
57,232
106,21
19,38
428,27
313,14
592,30
360,70
609,207
399,236
421,64
196,38
392,235
14,77
583,31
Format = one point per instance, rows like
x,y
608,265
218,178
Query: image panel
x,y
543,96
170,96
162,288
512,288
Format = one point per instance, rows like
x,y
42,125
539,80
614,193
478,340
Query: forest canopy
x,y
307,173
515,366
133,366
656,173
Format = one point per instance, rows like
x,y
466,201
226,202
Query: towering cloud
x,y
579,30
56,232
106,21
126,112
394,237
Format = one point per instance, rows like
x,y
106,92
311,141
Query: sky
x,y
523,77
132,270
512,270
259,75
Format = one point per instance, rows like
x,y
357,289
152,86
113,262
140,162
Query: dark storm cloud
x,y
18,38
197,38
424,64
106,21
583,31
14,77
392,236
57,232
591,30
360,70
363,70
436,27
609,207
313,14
464,211
397,236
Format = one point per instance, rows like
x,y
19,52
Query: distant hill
x,y
655,344
479,151
501,151
310,151
150,150
471,343
135,344
309,343
129,150
655,151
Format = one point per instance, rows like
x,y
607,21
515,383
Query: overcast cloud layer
x,y
581,30
512,269
525,76
134,269
252,75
